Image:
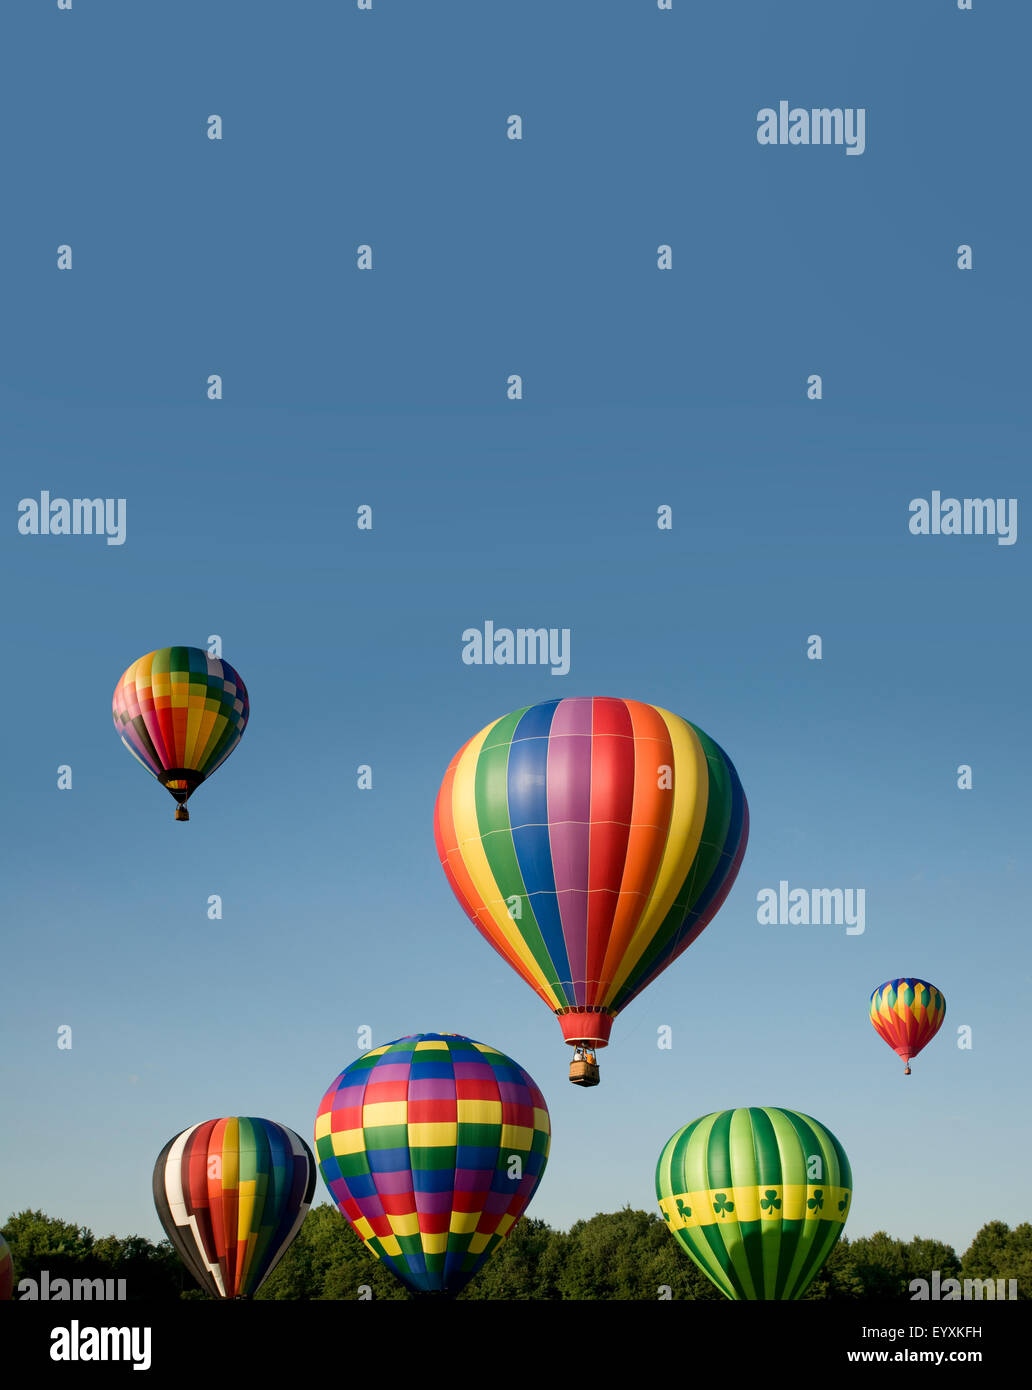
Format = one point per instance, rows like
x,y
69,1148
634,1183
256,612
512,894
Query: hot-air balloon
x,y
907,1014
232,1194
432,1146
590,841
757,1197
180,712
6,1271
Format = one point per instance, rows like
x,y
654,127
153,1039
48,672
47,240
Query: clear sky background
x,y
388,388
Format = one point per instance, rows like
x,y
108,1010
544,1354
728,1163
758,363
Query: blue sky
x,y
387,388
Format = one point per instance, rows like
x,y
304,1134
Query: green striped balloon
x,y
757,1197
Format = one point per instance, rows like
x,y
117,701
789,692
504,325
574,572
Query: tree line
x,y
617,1255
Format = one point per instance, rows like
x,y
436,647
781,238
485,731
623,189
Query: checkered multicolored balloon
x,y
180,712
432,1146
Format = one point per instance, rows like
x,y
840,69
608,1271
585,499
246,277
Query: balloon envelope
x,y
432,1146
757,1197
590,841
6,1270
907,1014
232,1194
180,712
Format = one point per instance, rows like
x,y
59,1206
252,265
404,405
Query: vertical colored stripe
x,y
524,861
725,836
454,864
611,814
690,798
568,819
652,808
524,936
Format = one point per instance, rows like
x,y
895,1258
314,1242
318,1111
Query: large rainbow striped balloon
x,y
180,712
432,1146
590,841
232,1194
907,1014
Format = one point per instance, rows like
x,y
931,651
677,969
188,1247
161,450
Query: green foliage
x,y
626,1255
880,1266
34,1236
329,1261
525,1266
39,1242
923,1256
837,1278
997,1252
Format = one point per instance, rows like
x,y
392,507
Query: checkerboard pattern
x,y
432,1146
179,709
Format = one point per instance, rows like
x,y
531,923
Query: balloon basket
x,y
584,1068
182,813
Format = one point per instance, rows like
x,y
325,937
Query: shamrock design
x,y
770,1201
721,1205
683,1211
816,1202
844,1203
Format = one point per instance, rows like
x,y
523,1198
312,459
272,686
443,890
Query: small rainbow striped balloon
x,y
590,841
180,712
432,1146
232,1194
907,1014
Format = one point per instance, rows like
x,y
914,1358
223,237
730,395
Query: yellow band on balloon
x,y
718,1206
